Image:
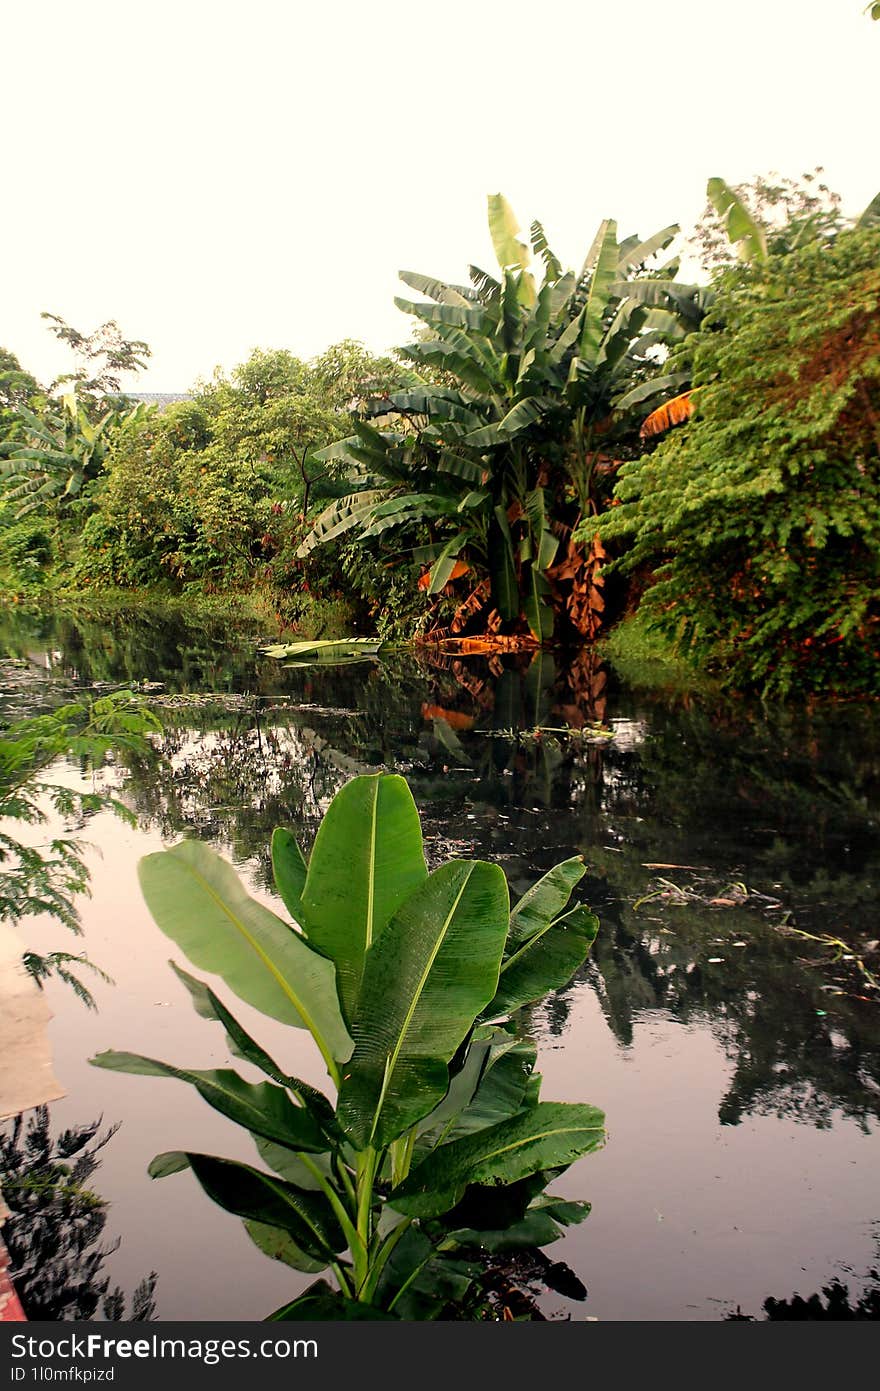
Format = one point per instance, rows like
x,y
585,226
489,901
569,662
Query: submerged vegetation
x,y
437,1147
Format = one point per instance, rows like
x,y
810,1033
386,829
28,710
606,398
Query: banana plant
x,y
499,452
51,456
431,1143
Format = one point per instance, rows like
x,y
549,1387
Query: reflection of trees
x,y
786,798
131,646
834,1304
796,1051
56,1223
784,801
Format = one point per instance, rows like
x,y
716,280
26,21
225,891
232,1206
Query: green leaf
x,y
540,246
747,235
525,413
462,1088
642,251
292,1166
279,1245
534,1230
366,859
546,961
503,1086
418,1281
505,593
444,565
599,295
171,1162
654,387
426,978
197,899
261,1198
548,1136
260,1107
563,1210
322,1304
243,1046
539,614
545,900
341,516
871,216
289,870
434,289
503,228
471,317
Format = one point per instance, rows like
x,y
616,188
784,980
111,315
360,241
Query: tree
x,y
103,357
525,400
767,215
761,519
51,455
216,487
16,386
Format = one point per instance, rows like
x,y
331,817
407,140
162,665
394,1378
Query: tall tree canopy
x,y
759,521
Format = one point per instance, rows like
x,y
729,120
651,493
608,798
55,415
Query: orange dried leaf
x,y
673,412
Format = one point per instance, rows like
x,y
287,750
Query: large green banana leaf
x,y
260,1107
541,247
323,1304
508,1079
503,229
436,289
603,276
208,1006
197,899
747,235
289,870
545,900
426,978
366,860
548,1136
546,961
639,251
259,1197
537,609
280,1246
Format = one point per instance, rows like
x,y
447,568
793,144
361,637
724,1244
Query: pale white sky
x,y
221,176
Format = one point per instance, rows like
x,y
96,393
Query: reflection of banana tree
x,y
56,1222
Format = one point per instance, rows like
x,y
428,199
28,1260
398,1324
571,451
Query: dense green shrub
x,y
760,519
214,490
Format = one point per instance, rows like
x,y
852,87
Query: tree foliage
x,y
784,213
37,880
102,358
527,396
214,489
760,521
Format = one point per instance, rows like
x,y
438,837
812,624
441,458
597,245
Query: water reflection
x,y
834,1304
56,1222
786,804
705,793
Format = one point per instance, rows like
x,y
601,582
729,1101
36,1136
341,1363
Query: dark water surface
x,y
738,1063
